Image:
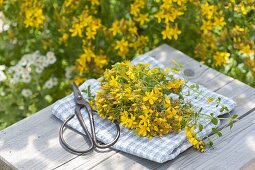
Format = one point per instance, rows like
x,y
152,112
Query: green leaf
x,y
214,120
222,109
210,144
235,116
231,124
200,126
217,132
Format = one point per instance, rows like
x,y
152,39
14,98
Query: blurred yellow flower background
x,y
53,42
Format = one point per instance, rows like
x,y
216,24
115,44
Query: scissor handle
x,y
93,131
67,146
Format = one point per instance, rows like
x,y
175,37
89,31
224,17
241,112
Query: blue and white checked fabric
x,y
158,149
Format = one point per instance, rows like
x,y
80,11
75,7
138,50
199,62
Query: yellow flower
x,y
84,59
1,2
221,58
246,49
175,84
159,15
34,17
142,18
208,10
168,33
198,144
219,22
76,30
134,9
68,3
100,61
142,130
113,82
133,30
95,2
79,80
206,26
128,122
172,15
122,47
151,97
167,102
166,4
179,2
64,38
90,33
176,32
115,28
144,125
170,113
147,110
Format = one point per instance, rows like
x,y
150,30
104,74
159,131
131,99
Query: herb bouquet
x,y
151,102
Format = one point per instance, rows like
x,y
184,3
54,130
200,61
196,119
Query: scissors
x,y
80,103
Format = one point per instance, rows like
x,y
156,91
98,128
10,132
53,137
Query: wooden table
x,y
33,142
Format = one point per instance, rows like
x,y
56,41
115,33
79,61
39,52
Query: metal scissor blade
x,y
77,94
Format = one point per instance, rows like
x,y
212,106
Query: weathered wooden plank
x,y
36,139
234,150
198,73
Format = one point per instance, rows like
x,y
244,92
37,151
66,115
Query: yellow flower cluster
x,y
221,58
127,29
168,12
85,25
88,60
33,13
1,2
135,10
137,97
212,18
191,136
219,27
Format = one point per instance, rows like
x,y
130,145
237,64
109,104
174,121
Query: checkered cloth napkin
x,y
158,149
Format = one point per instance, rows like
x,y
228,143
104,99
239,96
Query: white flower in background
x,y
68,72
26,78
26,92
53,81
22,70
51,58
3,25
39,69
2,75
15,79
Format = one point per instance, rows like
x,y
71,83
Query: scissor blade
x,y
76,91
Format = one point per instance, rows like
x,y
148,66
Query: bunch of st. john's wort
x,y
138,98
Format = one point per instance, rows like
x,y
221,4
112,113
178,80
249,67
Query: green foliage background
x,y
227,46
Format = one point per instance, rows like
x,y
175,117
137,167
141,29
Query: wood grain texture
x,y
33,142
